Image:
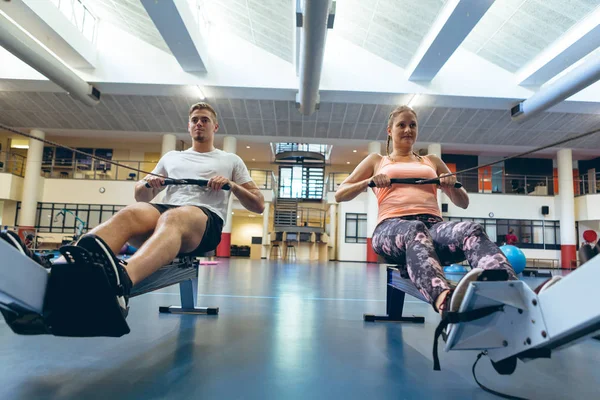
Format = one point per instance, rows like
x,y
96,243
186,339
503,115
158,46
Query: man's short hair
x,y
203,106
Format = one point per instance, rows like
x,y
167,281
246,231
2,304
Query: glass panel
x,y
47,156
526,233
45,217
66,7
78,14
297,184
89,26
83,215
549,231
362,228
106,214
106,154
538,233
351,228
63,157
94,219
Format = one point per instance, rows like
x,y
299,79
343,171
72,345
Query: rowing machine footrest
x,y
81,302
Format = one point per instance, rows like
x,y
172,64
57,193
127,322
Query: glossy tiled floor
x,y
285,331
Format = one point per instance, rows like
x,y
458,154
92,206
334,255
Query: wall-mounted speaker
x,y
545,210
444,207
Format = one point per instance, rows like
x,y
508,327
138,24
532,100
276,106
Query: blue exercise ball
x,y
515,257
455,268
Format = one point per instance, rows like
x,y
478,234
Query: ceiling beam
x,y
44,21
577,43
453,24
174,21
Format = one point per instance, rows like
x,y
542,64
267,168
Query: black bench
x,y
398,286
183,270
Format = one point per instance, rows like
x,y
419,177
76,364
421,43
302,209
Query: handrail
x,y
12,163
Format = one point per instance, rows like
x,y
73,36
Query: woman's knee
x,y
475,229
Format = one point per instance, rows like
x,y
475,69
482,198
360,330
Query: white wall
x,y
11,187
587,208
351,251
505,206
82,191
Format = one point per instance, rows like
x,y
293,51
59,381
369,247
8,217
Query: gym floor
x,y
285,331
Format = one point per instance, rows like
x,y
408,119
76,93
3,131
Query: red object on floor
x,y
224,248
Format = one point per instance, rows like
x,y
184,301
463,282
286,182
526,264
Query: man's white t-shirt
x,y
190,164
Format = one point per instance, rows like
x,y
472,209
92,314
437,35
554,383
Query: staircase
x,y
286,212
315,182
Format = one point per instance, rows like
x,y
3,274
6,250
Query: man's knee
x,y
140,216
184,218
189,221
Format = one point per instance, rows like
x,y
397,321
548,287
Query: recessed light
x,y
354,151
347,162
254,159
247,147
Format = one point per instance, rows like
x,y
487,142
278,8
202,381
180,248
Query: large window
x,y
57,158
356,228
60,217
531,234
301,182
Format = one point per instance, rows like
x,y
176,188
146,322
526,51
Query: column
x,y
169,143
332,230
31,183
372,210
436,148
568,250
224,248
266,244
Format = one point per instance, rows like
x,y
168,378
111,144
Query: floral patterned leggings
x,y
424,243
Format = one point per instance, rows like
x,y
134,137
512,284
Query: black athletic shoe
x,y
13,239
114,268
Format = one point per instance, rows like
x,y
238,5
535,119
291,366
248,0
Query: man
x,y
190,218
511,238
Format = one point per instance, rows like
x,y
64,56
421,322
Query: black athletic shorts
x,y
212,234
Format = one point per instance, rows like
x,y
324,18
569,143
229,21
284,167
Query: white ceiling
x,y
390,29
513,32
131,17
269,24
346,125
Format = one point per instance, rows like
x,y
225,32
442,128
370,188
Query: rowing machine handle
x,y
199,182
416,181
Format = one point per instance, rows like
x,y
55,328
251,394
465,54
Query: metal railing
x,y
12,163
323,149
474,183
80,16
95,169
311,217
264,178
587,184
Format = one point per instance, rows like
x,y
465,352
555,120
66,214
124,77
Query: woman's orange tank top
x,y
400,200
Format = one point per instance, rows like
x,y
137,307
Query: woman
x,y
410,229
